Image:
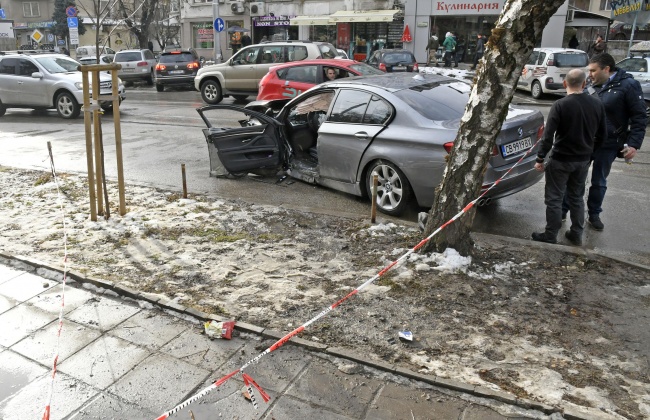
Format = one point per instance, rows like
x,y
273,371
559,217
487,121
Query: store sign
x,y
629,10
6,30
466,7
33,25
262,21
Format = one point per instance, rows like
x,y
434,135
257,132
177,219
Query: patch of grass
x,y
202,209
173,197
43,179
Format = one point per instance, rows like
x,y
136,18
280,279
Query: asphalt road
x,y
160,131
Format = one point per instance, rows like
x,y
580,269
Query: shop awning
x,y
363,16
311,20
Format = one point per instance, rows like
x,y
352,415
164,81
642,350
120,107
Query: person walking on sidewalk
x,y
432,47
480,49
576,126
450,47
626,124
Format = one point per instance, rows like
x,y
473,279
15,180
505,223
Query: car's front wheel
x,y
3,109
67,106
394,192
211,92
149,79
160,87
536,90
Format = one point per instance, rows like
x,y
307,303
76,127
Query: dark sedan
x,y
393,61
399,126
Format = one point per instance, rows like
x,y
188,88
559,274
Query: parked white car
x,y
136,65
43,81
547,67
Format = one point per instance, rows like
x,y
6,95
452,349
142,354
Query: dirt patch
x,y
564,329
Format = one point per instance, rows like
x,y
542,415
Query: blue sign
x,y
50,37
219,24
60,42
2,14
73,22
71,11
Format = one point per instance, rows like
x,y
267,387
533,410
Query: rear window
x,y
128,56
364,69
394,58
570,60
176,58
327,50
437,101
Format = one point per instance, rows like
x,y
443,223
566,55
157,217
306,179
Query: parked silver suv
x,y
43,81
240,75
136,65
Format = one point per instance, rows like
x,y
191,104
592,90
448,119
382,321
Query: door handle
x,y
21,83
361,135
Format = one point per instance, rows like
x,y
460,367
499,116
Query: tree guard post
x,y
89,149
373,208
184,180
98,154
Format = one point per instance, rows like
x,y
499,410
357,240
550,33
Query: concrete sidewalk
x,y
123,358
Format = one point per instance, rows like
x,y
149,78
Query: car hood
x,y
76,76
213,67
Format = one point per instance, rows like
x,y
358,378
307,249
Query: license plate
x,y
516,146
127,70
398,68
176,72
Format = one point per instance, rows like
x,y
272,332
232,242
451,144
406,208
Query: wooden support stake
x,y
184,180
99,170
118,142
373,211
89,150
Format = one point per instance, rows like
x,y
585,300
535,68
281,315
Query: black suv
x,y
176,67
393,61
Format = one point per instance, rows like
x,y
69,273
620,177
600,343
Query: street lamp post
x,y
217,34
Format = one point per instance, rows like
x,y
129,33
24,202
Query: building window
x,y
202,35
31,9
605,5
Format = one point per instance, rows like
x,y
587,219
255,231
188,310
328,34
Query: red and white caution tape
x,y
46,414
248,381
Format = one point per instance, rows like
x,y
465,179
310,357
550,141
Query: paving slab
x,y
7,273
477,412
292,408
24,287
275,371
150,329
195,348
103,313
30,402
50,300
159,382
109,407
21,321
104,361
324,385
17,372
41,344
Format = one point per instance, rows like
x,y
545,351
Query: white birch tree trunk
x,y
516,33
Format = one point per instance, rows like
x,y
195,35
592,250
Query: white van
x,y
546,68
91,51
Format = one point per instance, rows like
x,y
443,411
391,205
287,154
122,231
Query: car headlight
x,y
79,85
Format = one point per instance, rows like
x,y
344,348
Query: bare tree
x,y
165,26
138,17
516,33
98,13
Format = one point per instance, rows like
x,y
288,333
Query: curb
x,y
451,384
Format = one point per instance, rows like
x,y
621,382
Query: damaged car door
x,y
255,143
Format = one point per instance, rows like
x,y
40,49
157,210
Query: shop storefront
x,y
24,33
466,29
274,28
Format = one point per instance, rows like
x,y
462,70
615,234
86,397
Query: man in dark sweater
x,y
575,127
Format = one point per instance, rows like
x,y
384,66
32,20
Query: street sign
x,y
74,36
219,24
50,37
2,14
71,11
73,22
37,36
60,42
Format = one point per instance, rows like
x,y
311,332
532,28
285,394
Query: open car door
x,y
254,142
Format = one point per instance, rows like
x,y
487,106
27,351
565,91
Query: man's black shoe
x,y
595,223
543,237
573,237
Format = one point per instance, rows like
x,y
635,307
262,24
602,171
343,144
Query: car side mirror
x,y
37,75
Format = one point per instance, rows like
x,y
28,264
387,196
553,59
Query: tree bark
x,y
516,33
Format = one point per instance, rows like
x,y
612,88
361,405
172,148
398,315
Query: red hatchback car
x,y
289,80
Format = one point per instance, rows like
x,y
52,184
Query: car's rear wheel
x,y
160,87
211,92
150,79
536,90
394,192
67,106
3,109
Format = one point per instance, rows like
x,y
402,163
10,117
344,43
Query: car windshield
x,y
571,60
327,50
128,56
176,58
437,101
364,69
393,58
58,64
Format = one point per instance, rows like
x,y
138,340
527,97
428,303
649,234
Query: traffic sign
x,y
37,35
73,22
74,36
2,14
50,37
71,11
219,24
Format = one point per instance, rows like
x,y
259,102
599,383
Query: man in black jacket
x,y
626,124
575,127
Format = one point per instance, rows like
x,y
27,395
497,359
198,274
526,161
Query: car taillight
x,y
448,146
415,67
382,66
142,64
495,151
540,131
193,65
160,67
